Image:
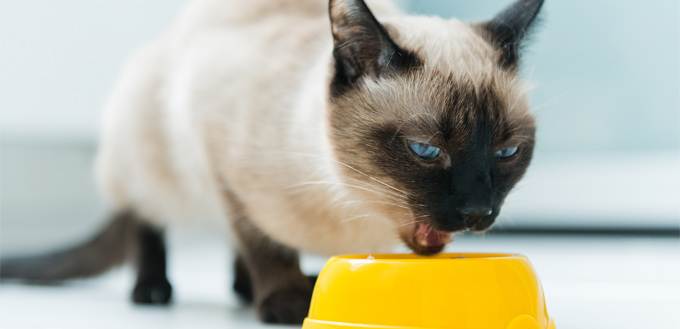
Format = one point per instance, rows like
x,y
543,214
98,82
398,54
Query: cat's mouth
x,y
423,238
426,240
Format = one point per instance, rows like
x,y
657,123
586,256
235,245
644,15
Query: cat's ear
x,y
361,46
510,27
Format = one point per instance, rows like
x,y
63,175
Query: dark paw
x,y
152,292
285,306
243,286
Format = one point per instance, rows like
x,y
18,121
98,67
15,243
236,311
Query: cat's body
x,y
232,100
253,113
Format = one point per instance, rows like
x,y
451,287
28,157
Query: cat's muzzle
x,y
430,238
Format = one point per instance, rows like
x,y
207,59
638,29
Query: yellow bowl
x,y
462,291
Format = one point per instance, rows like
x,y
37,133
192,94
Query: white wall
x,y
59,59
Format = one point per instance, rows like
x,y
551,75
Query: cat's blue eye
x,y
424,151
506,153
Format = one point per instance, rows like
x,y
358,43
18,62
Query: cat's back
x,y
245,64
224,79
220,13
243,32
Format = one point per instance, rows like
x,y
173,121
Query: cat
x,y
307,125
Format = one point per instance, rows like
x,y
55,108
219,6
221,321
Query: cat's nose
x,y
475,212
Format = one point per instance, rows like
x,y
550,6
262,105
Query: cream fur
x,y
234,97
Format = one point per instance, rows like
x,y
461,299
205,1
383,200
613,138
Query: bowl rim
x,y
411,258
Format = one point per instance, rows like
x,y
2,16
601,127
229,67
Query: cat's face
x,y
442,156
436,134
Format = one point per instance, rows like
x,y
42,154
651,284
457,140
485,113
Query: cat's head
x,y
429,118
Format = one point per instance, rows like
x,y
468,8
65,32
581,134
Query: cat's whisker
x,y
379,181
401,192
342,195
331,183
356,170
368,216
389,192
356,217
337,162
408,223
397,202
376,202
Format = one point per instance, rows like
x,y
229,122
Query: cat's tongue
x,y
426,236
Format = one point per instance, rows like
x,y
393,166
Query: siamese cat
x,y
306,126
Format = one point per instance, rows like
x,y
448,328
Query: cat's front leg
x,y
280,291
152,285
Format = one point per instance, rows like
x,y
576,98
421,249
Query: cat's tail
x,y
109,248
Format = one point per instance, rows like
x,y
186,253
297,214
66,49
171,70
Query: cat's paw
x,y
288,306
243,284
152,292
244,289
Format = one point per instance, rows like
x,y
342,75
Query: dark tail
x,y
110,248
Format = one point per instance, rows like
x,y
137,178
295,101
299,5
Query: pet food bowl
x,y
462,291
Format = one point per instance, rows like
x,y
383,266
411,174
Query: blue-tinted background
x,y
607,72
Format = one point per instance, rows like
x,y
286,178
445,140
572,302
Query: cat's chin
x,y
423,239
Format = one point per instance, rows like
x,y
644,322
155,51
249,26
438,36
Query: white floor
x,y
590,282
